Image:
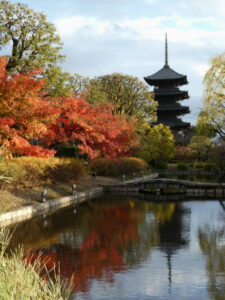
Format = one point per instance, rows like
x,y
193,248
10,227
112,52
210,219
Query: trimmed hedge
x,y
117,167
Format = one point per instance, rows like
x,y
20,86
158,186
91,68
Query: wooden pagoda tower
x,y
166,84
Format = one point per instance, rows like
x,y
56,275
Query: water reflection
x,y
114,238
212,243
173,231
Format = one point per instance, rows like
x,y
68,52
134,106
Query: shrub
x,y
182,166
161,165
116,167
210,167
199,165
66,170
207,166
23,172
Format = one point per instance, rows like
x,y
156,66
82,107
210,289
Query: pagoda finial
x,y
166,50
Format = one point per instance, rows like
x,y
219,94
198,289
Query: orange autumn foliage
x,y
101,253
26,117
24,114
97,131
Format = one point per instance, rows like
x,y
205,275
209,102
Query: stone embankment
x,y
30,211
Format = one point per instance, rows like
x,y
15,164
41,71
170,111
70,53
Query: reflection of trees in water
x,y
105,237
212,244
102,251
41,232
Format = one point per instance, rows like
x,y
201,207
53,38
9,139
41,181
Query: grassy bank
x,y
22,281
30,172
22,179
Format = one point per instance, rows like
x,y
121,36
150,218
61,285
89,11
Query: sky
x,y
127,36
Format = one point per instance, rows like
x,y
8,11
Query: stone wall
x,y
30,211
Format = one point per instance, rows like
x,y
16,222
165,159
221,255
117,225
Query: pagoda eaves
x,y
164,75
167,94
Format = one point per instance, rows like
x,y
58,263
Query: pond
x,y
126,248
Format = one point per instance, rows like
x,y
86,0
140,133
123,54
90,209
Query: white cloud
x,y
205,7
180,30
200,68
71,25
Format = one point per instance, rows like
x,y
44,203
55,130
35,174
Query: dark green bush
x,y
210,166
63,150
207,166
161,165
182,166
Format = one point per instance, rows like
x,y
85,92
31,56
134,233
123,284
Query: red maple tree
x,y
24,113
26,116
97,131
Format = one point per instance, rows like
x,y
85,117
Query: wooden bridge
x,y
165,186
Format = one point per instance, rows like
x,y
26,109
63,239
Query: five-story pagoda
x,y
166,82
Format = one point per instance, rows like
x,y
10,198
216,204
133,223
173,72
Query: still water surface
x,y
124,248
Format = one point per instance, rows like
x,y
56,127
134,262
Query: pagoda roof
x,y
169,91
166,74
174,124
175,107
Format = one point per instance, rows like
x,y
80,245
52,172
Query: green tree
x,y
128,94
157,144
61,83
214,102
203,126
201,146
32,39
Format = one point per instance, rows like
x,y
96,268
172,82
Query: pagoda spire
x,y
166,84
166,50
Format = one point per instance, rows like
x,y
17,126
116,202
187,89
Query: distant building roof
x,y
166,73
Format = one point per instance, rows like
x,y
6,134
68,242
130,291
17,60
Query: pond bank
x,y
19,205
31,211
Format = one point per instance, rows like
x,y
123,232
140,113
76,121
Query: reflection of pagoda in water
x,y
173,235
166,82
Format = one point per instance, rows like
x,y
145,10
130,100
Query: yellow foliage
x,y
33,171
214,102
157,143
